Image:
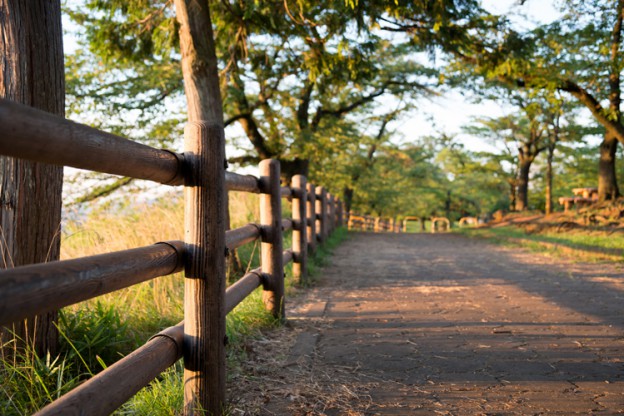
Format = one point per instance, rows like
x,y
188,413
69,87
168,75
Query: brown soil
x,y
606,217
405,324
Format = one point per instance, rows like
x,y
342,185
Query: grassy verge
x,y
580,245
98,332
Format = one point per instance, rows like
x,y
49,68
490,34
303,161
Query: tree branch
x,y
614,73
612,126
102,191
235,118
339,112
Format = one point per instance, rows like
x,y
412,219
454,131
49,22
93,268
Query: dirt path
x,y
440,324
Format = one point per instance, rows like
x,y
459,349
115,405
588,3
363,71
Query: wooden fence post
x,y
204,288
300,227
327,229
272,244
321,214
205,199
331,213
340,214
311,211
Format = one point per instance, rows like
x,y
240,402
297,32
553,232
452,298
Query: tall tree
x,y
32,73
289,85
523,136
477,181
289,72
581,54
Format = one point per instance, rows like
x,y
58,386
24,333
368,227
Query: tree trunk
x,y
549,180
32,73
522,196
607,179
512,195
347,195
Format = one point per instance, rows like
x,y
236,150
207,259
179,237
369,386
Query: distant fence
x,y
34,289
408,219
370,223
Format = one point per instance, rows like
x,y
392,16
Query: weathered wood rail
x,y
25,291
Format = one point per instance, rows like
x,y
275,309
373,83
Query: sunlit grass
x,y
587,244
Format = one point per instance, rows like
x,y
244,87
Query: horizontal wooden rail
x,y
287,257
287,224
298,224
240,236
286,192
238,291
111,388
39,136
243,183
29,290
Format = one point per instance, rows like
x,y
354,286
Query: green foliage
x,y
301,79
163,397
29,381
94,336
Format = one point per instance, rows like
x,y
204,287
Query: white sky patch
x,y
448,114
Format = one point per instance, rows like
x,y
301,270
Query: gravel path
x,y
408,324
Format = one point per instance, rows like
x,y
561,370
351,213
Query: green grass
x,y
585,245
98,332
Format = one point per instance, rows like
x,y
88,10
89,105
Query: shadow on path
x,y
438,323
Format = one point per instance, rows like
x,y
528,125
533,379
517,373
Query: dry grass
x,y
120,227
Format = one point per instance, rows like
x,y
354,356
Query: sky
x,y
448,113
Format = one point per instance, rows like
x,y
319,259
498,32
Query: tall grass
x,y
98,332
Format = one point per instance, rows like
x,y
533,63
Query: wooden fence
x,y
370,223
29,290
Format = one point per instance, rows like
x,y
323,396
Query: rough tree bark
x,y
32,73
527,152
548,203
522,195
607,179
551,146
347,197
512,194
